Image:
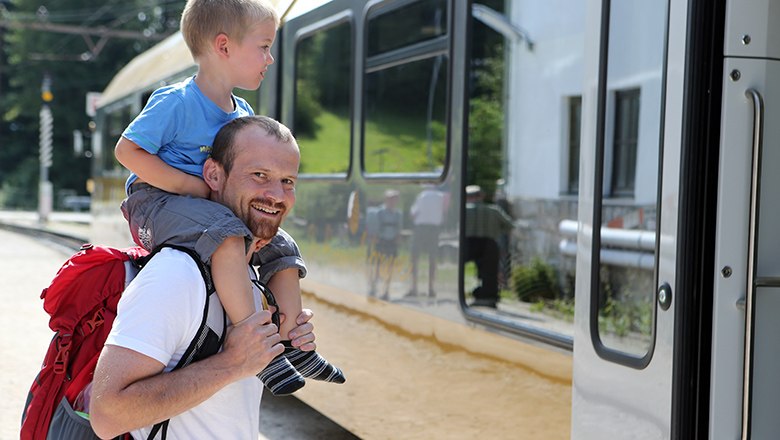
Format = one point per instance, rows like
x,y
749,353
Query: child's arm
x,y
286,287
152,170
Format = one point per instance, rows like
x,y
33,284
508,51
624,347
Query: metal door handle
x,y
758,140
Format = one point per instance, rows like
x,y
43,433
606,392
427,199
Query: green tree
x,y
485,155
486,127
29,54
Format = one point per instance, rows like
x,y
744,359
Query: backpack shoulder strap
x,y
198,348
205,270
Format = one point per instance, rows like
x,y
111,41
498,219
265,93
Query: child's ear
x,y
220,44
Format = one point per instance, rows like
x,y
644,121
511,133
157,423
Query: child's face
x,y
252,56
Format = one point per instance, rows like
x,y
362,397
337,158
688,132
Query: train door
x,y
646,219
745,352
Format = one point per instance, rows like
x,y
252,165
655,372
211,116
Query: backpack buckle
x,y
91,324
61,360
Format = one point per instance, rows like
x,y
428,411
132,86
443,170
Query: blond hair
x,y
202,20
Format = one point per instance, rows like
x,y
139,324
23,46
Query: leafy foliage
x,y
486,124
29,54
536,281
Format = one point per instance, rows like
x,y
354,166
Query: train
x,y
522,219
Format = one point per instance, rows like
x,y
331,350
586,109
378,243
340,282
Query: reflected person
x,y
486,224
384,224
427,213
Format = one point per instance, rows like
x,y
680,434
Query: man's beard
x,y
263,228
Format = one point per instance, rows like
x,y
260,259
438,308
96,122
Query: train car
x,y
523,219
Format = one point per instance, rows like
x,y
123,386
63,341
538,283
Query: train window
x,y
405,90
405,126
624,278
575,119
520,220
115,123
412,23
625,142
249,95
322,111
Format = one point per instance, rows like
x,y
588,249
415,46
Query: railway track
x,y
66,243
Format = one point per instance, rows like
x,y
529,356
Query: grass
x,y
328,151
397,145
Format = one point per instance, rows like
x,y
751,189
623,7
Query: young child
x,y
165,148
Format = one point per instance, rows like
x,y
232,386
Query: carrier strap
x,y
196,347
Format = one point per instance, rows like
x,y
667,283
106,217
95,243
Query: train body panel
x,y
522,219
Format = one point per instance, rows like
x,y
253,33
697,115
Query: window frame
x,y
334,21
422,50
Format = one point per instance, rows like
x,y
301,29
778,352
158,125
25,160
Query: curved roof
x,y
162,61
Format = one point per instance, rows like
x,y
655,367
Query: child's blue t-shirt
x,y
179,124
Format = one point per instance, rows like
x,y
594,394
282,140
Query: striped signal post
x,y
45,190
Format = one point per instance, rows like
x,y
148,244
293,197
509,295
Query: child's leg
x,y
229,272
286,288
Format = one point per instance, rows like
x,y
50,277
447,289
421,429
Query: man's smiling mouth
x,y
266,209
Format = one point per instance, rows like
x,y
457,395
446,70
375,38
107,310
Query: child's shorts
x,y
156,217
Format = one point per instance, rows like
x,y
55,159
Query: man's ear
x,y
213,175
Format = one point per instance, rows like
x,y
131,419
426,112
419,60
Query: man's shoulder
x,y
181,266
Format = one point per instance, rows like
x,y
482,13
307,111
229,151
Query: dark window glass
x,y
321,124
575,119
405,119
625,143
116,122
413,23
249,95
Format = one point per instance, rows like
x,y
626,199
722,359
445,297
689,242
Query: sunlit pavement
x,y
27,266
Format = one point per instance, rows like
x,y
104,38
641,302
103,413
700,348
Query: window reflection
x,y
413,23
523,166
321,122
629,192
114,125
405,118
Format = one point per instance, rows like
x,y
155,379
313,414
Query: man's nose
x,y
274,192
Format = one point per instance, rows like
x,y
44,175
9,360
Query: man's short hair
x,y
203,20
222,151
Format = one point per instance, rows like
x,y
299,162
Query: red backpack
x,y
82,301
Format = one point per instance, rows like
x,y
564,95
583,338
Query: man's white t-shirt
x,y
158,316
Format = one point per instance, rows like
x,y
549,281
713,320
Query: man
x,y
386,232
427,213
486,223
253,167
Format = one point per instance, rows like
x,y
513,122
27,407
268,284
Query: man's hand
x,y
302,336
253,343
129,391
